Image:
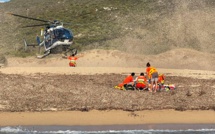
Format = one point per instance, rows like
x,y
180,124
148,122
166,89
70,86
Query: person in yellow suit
x,y
152,74
161,79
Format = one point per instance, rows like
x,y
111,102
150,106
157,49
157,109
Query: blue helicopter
x,y
56,38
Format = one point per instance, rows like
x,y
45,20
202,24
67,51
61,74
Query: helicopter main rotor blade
x,y
67,23
35,25
28,17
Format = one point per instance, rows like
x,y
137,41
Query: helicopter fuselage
x,y
56,36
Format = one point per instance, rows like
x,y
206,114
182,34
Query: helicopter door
x,y
47,40
63,34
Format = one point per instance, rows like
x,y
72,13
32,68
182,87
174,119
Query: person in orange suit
x,y
129,80
161,79
152,74
72,60
141,82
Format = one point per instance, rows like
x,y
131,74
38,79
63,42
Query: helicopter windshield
x,y
63,34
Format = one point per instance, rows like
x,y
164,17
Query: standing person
x,y
152,74
72,60
141,82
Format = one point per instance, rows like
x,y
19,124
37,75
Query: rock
x,y
3,61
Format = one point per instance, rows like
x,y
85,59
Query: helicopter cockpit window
x,y
63,34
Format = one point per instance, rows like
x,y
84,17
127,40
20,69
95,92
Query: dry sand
x,y
186,64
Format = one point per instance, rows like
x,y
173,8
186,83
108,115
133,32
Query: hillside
x,y
141,26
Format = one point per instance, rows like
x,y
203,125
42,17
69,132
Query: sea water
x,y
3,1
122,129
10,130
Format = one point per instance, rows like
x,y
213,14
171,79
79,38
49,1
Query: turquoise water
x,y
3,1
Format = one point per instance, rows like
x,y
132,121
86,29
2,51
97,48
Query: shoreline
x,y
115,128
112,117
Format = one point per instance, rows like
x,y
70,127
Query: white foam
x,y
21,130
3,1
11,129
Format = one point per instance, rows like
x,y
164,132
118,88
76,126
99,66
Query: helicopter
x,y
56,38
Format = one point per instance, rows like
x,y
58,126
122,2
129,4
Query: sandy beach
x,y
31,94
113,117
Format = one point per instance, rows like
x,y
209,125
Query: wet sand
x,y
113,117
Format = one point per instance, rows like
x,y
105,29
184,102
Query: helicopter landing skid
x,y
69,52
44,55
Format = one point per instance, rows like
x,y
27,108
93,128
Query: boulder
x,y
3,61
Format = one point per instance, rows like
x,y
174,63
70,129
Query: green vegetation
x,y
136,26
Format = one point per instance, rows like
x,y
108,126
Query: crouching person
x,y
128,83
161,79
141,82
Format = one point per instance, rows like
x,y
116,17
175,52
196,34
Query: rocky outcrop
x,y
3,61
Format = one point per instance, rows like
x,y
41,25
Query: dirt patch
x,y
174,59
48,92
